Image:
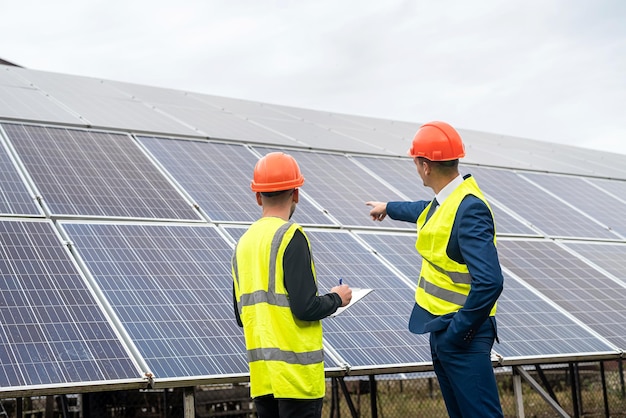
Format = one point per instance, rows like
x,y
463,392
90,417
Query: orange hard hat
x,y
437,141
276,171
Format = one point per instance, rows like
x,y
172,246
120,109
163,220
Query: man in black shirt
x,y
276,300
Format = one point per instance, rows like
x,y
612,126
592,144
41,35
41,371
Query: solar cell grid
x,y
171,288
610,257
15,199
617,188
53,331
521,314
314,136
217,176
92,173
373,332
342,188
572,284
539,208
593,201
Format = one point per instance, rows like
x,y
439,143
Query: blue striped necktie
x,y
433,206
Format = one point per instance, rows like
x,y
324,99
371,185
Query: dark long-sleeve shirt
x,y
300,283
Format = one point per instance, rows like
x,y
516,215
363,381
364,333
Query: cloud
x,y
543,70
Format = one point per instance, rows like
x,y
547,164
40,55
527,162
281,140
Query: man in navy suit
x,y
461,279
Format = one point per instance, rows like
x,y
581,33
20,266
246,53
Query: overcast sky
x,y
552,70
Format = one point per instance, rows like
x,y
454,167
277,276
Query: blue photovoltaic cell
x,y
53,330
547,213
171,288
584,292
15,199
590,199
610,257
217,176
401,173
522,327
373,332
342,188
92,173
615,187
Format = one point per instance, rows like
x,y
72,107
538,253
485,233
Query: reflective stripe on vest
x,y
274,354
443,294
285,354
455,277
261,296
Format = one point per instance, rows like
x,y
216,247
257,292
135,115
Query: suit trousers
x,y
465,373
270,407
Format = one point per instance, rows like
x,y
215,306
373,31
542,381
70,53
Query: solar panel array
x,y
169,287
143,285
99,174
594,299
521,317
217,176
15,198
53,329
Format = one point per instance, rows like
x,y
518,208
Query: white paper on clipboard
x,y
357,294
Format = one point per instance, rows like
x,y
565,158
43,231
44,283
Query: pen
x,y
340,281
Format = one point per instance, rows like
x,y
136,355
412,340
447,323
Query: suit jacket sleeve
x,y
406,211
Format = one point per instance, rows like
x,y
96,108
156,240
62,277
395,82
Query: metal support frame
x,y
537,387
334,399
605,395
620,367
346,394
517,391
373,396
189,405
575,384
546,384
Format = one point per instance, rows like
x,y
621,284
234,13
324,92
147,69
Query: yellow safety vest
x,y
285,354
443,284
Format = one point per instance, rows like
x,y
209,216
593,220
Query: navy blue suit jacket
x,y
471,243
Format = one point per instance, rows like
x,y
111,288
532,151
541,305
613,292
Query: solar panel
x,y
171,288
315,136
617,188
93,173
342,188
584,292
401,174
542,210
522,329
97,102
610,257
373,332
15,198
590,199
20,100
217,176
53,330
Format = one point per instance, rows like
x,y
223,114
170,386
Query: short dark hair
x,y
449,163
276,193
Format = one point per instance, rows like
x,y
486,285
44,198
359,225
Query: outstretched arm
x,y
399,211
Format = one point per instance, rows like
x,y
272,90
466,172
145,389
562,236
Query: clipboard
x,y
358,293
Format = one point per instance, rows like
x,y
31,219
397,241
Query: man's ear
x,y
427,167
296,195
258,199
